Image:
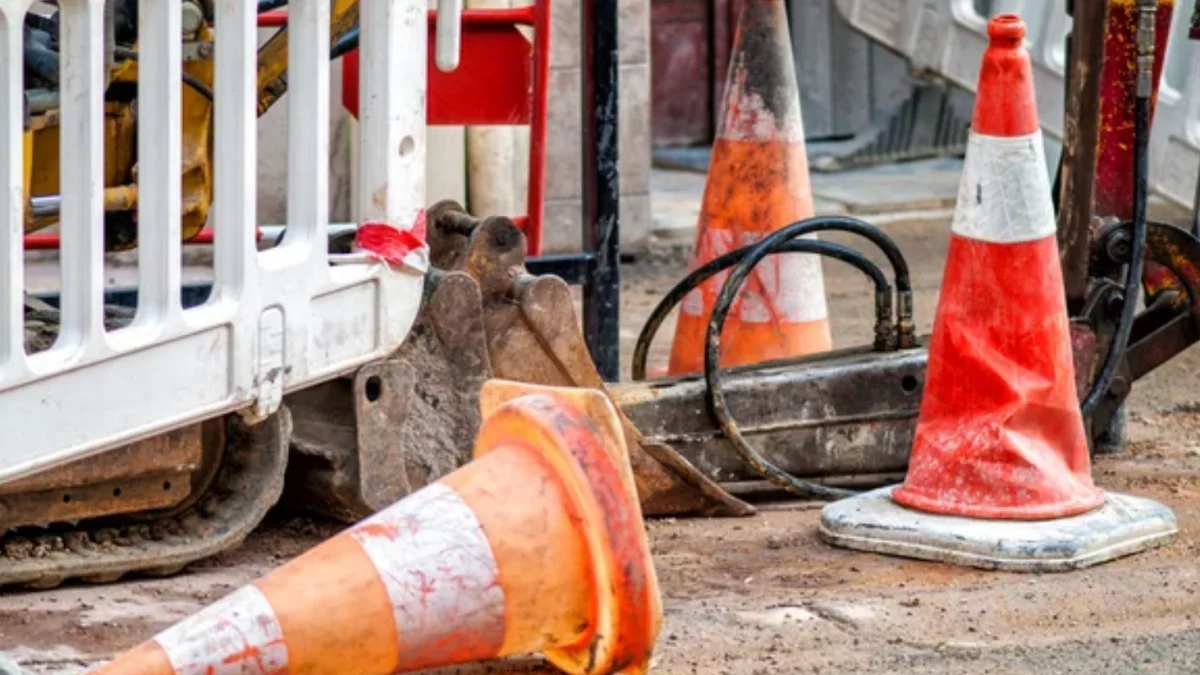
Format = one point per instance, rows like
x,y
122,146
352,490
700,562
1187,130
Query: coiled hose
x,y
905,329
742,261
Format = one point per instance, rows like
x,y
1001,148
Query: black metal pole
x,y
601,186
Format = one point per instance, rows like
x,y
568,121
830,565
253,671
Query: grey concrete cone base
x,y
1122,526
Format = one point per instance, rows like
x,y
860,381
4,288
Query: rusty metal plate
x,y
848,413
156,473
126,495
179,451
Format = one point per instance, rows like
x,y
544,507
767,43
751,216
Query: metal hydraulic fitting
x,y
1147,14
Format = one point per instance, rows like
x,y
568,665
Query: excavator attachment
x,y
365,441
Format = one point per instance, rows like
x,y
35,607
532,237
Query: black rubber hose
x,y
885,243
1137,254
714,393
42,61
269,5
348,42
701,274
188,79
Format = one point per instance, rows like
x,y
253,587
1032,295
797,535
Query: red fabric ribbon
x,y
388,243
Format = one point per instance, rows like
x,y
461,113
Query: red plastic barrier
x,y
501,79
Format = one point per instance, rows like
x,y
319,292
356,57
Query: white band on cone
x,y
1004,194
436,563
785,286
747,117
238,635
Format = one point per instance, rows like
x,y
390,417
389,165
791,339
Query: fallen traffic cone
x,y
1000,434
757,183
537,545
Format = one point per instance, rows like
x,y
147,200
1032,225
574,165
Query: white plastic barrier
x,y
947,37
277,320
1175,134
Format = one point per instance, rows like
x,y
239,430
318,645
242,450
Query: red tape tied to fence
x,y
394,246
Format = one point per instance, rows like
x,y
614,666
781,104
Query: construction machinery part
x,y
1163,330
156,473
42,137
830,417
152,506
1081,132
42,129
234,497
361,443
273,55
365,441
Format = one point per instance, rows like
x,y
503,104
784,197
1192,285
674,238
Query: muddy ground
x,y
764,595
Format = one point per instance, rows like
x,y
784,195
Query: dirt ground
x,y
764,595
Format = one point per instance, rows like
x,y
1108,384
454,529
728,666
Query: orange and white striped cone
x,y
757,183
1000,435
536,546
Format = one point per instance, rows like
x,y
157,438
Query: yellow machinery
x,y
42,151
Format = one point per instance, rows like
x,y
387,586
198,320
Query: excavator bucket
x,y
364,442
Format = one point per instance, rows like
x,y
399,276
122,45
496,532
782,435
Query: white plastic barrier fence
x,y
277,320
1175,133
947,38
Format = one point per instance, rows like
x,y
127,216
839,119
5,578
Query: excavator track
x,y
247,482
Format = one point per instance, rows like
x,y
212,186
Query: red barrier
x,y
501,79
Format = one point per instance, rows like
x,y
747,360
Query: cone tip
x,y
1006,30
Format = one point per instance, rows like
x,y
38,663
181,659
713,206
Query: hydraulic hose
x,y
41,60
776,242
905,327
346,43
721,263
1147,9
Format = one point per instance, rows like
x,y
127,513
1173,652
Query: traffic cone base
x,y
536,546
876,523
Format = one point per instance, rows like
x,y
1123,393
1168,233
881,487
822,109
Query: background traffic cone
x,y
1000,434
757,183
535,546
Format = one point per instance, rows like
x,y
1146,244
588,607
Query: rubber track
x,y
247,485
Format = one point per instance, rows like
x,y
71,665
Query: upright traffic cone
x,y
757,183
536,546
1000,434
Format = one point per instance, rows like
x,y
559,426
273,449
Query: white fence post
x,y
392,110
12,203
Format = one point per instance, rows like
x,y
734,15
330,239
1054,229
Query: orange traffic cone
x,y
536,546
757,183
1000,434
